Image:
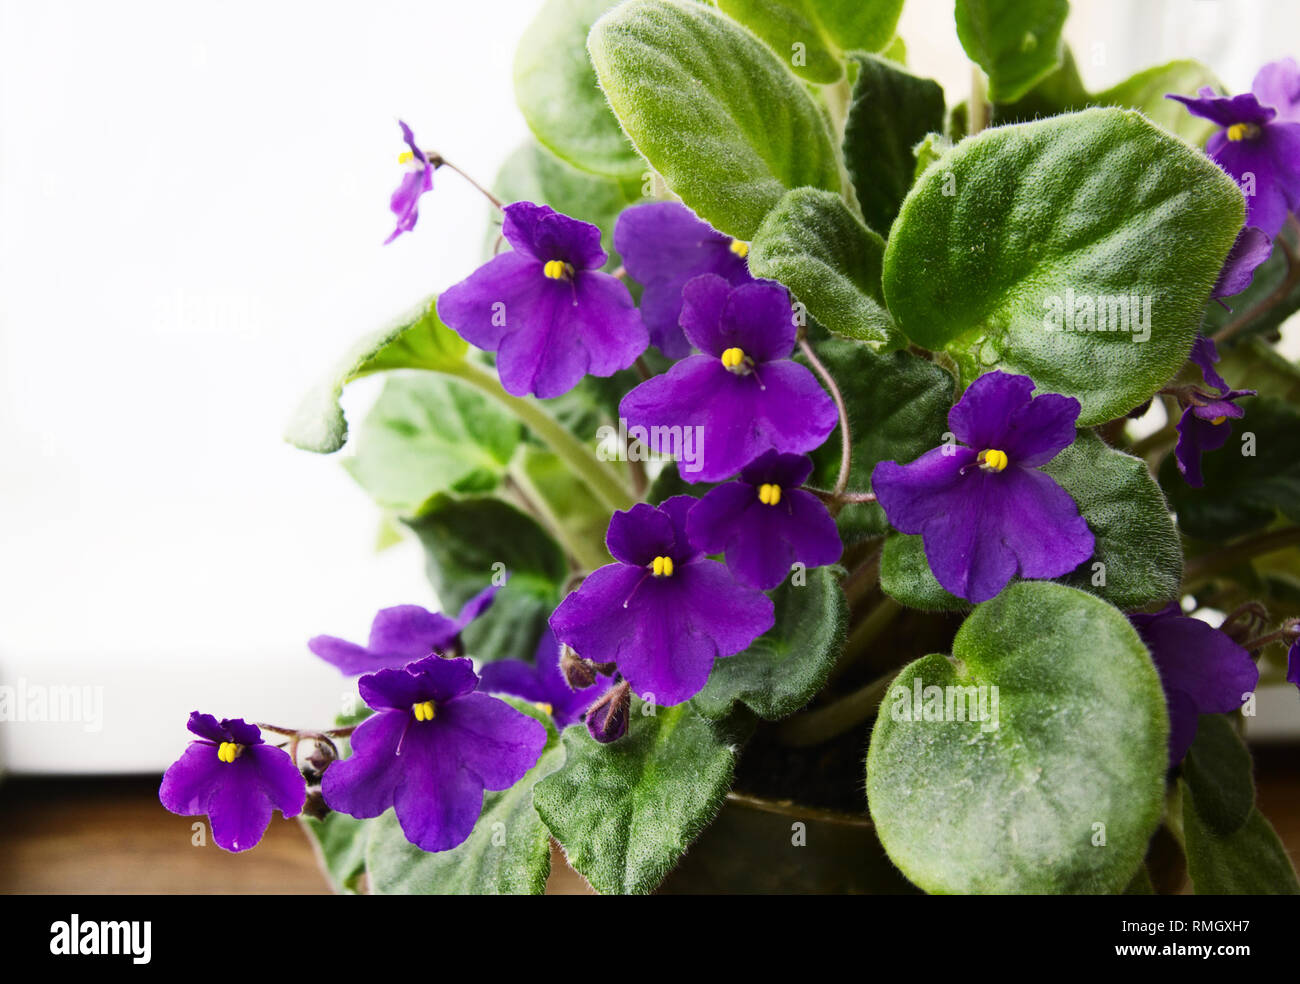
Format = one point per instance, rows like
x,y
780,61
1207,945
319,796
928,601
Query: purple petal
x,y
431,678
1277,84
438,802
1196,436
637,535
490,738
1198,660
759,319
786,470
997,412
1205,354
1039,522
206,726
513,677
408,632
1183,721
911,494
238,809
282,783
1250,250
1293,663
362,785
189,781
1227,110
477,605
545,234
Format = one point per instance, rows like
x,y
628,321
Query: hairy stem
x,y
846,438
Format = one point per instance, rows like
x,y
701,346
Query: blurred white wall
x,y
192,202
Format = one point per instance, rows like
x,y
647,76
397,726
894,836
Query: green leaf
x,y
712,109
1242,492
1146,92
1016,42
555,87
992,243
898,409
1217,770
579,517
1250,861
469,541
533,174
1080,741
1137,542
813,35
340,845
625,812
782,670
890,113
1141,883
1262,368
417,341
509,852
428,433
814,245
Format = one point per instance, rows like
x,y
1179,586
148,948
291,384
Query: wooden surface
x,y
110,836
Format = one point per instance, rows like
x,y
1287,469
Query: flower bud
x,y
607,718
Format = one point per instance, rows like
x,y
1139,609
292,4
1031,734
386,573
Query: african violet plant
x,y
783,373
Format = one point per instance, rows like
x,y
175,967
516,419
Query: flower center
x,y
740,248
769,494
544,707
993,460
423,710
1218,420
735,360
1243,131
228,751
558,270
662,567
406,157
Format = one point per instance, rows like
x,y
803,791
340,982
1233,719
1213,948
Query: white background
x,y
192,202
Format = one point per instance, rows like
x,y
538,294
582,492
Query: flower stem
x,y
978,110
815,727
1206,566
437,160
600,479
846,439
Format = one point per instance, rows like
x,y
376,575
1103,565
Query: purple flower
x,y
1293,662
764,522
607,717
1277,84
1204,424
1250,250
542,682
744,395
1201,669
1257,140
430,750
663,613
418,179
546,308
663,245
400,635
233,777
985,512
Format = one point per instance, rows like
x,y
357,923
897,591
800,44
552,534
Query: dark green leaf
x,y
1016,42
1243,492
712,109
1217,769
891,112
1138,548
467,542
784,668
1064,793
814,245
417,341
1250,861
813,35
555,87
992,244
625,812
509,852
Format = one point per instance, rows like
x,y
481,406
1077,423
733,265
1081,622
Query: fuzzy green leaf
x,y
782,670
891,112
813,35
715,112
340,845
555,87
417,341
1016,42
428,433
1217,769
993,243
625,812
1080,742
1250,861
814,245
509,852
1138,548
1146,92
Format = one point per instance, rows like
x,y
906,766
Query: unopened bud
x,y
607,718
579,673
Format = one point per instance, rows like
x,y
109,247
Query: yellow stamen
x,y
406,157
1242,131
228,751
1218,420
740,248
733,358
993,460
662,567
423,711
769,494
557,270
544,707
